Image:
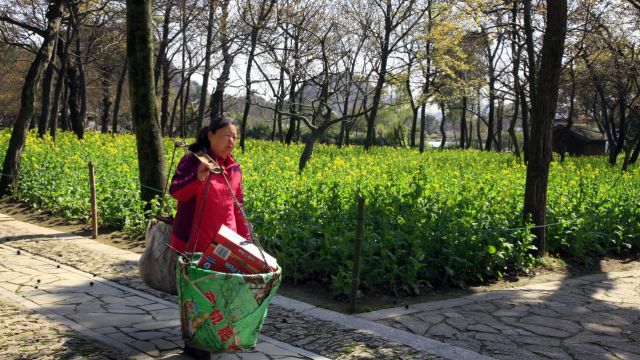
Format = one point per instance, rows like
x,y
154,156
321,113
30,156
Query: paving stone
x,y
155,325
106,330
164,314
93,306
507,351
543,311
589,337
146,346
92,320
131,300
253,356
151,307
123,309
516,311
466,343
588,351
542,330
599,328
493,338
603,318
460,323
162,344
120,337
431,318
444,330
482,328
415,325
147,335
549,352
564,325
537,340
481,306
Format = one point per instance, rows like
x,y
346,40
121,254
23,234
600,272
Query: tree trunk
x,y
217,98
491,119
622,128
82,85
515,53
64,117
636,151
77,124
263,14
161,58
463,123
443,133
164,104
116,104
207,64
185,102
543,112
46,93
499,125
13,156
308,148
58,95
525,125
106,99
514,119
423,126
151,160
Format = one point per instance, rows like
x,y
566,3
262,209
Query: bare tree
x,y
13,156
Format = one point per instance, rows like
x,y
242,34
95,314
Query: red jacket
x,y
202,220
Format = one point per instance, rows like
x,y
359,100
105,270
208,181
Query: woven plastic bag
x,y
222,312
157,264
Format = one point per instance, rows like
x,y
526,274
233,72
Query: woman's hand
x,y
203,171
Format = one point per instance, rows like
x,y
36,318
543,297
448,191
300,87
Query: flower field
x,y
432,219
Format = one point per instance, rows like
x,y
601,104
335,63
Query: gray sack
x,y
157,264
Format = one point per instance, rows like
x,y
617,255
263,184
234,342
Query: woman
x,y
198,219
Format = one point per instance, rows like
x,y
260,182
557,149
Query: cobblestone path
x,y
590,317
96,279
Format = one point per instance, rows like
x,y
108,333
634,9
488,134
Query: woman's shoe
x,y
196,353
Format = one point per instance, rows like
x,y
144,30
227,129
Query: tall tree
x,y
13,156
543,108
151,160
397,19
257,22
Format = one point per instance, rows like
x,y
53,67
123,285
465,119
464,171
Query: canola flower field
x,y
434,219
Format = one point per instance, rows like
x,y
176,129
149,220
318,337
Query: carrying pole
x,y
355,276
94,209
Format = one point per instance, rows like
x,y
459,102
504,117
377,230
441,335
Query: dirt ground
x,y
318,294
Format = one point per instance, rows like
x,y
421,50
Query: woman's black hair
x,y
202,139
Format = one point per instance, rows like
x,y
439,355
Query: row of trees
x,y
340,65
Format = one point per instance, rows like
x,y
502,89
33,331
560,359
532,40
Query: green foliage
x,y
432,219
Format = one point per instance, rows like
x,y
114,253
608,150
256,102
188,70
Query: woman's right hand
x,y
203,171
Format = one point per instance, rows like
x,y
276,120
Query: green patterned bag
x,y
222,312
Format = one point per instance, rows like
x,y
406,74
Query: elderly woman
x,y
203,208
198,220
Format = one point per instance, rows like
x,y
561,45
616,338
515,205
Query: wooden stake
x,y
355,276
94,210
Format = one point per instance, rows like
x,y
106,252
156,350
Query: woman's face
x,y
223,141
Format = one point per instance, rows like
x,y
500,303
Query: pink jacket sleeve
x,y
185,183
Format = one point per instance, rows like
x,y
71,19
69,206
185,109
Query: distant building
x,y
580,140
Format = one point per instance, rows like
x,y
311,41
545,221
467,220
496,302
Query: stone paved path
x,y
301,329
590,317
136,324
